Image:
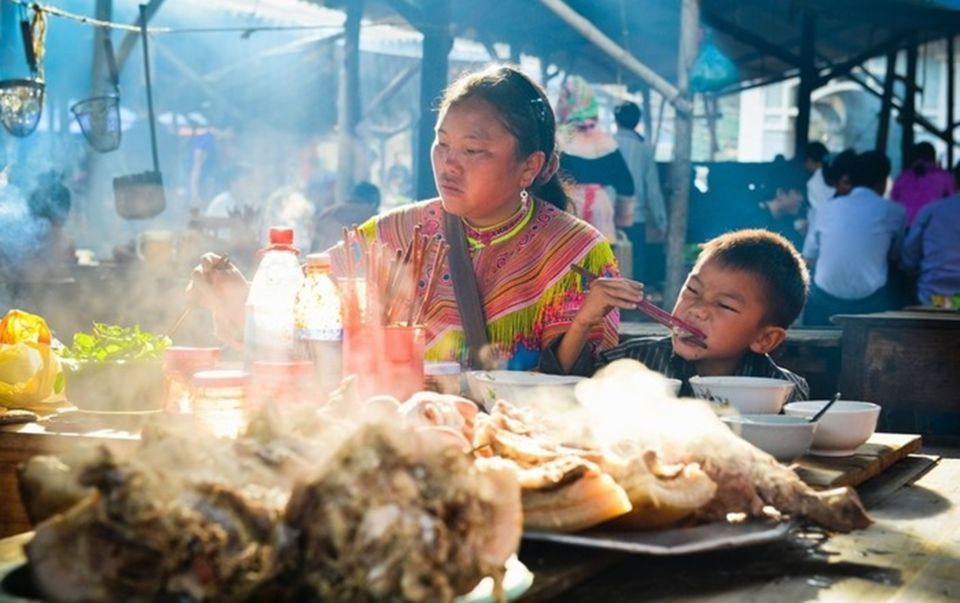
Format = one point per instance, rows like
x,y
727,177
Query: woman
x,y
494,161
592,159
923,182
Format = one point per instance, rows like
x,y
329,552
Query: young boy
x,y
744,291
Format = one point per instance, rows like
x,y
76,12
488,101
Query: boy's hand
x,y
605,295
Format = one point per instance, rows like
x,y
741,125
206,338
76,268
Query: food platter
x,y
676,541
16,584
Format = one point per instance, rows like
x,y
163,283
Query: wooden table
x,y
910,554
908,362
812,353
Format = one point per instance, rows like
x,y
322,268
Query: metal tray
x,y
675,541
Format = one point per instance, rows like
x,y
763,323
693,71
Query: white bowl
x,y
521,388
748,395
675,386
786,438
842,429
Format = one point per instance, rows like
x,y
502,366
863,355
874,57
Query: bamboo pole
x,y
682,147
619,54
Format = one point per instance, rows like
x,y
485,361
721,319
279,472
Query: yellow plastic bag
x,y
30,371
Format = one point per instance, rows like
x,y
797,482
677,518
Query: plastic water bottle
x,y
318,321
268,328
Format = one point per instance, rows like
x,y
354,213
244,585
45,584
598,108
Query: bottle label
x,y
323,334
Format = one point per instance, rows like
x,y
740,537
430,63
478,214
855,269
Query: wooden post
x,y
682,147
886,102
951,84
348,102
808,82
908,115
437,42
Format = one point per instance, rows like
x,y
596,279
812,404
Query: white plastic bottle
x,y
318,321
268,330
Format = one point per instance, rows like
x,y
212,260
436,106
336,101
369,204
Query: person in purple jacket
x,y
923,182
932,247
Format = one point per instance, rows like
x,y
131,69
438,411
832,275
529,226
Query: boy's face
x,y
729,306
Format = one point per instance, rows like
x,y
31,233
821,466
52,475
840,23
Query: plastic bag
x,y
712,70
30,371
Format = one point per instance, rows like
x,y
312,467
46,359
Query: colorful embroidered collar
x,y
479,238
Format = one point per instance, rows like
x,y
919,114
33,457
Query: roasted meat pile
x,y
309,507
134,539
403,516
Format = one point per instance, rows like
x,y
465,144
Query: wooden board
x,y
881,451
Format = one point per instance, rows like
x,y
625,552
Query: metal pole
x,y
682,148
808,82
886,102
437,42
348,102
146,74
951,84
908,115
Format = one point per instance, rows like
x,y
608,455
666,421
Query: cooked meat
x,y
688,431
569,494
402,515
135,539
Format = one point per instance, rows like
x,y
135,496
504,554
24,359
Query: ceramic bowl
x,y
675,386
521,388
842,429
746,395
785,438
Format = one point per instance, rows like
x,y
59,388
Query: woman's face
x,y
475,164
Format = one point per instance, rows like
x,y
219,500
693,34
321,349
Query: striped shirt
x,y
656,353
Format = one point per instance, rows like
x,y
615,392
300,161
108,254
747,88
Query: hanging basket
x,y
99,119
21,103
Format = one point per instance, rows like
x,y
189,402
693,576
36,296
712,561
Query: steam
x,y
628,404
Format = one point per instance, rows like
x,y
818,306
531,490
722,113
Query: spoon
x,y
823,410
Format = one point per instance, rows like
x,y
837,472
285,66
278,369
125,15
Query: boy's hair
x,y
773,260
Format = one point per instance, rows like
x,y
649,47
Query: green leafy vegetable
x,y
113,342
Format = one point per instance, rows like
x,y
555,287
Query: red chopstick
x,y
658,314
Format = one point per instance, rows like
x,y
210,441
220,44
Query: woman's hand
x,y
217,285
605,295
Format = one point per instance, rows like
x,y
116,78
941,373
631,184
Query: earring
x,y
524,196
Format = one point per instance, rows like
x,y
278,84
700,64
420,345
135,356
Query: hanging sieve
x,y
99,117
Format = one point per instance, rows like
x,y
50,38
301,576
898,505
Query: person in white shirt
x,y
818,190
650,213
239,193
851,243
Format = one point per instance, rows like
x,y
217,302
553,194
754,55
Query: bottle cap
x,y
318,260
281,235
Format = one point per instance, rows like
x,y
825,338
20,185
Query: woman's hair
x,y
525,112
